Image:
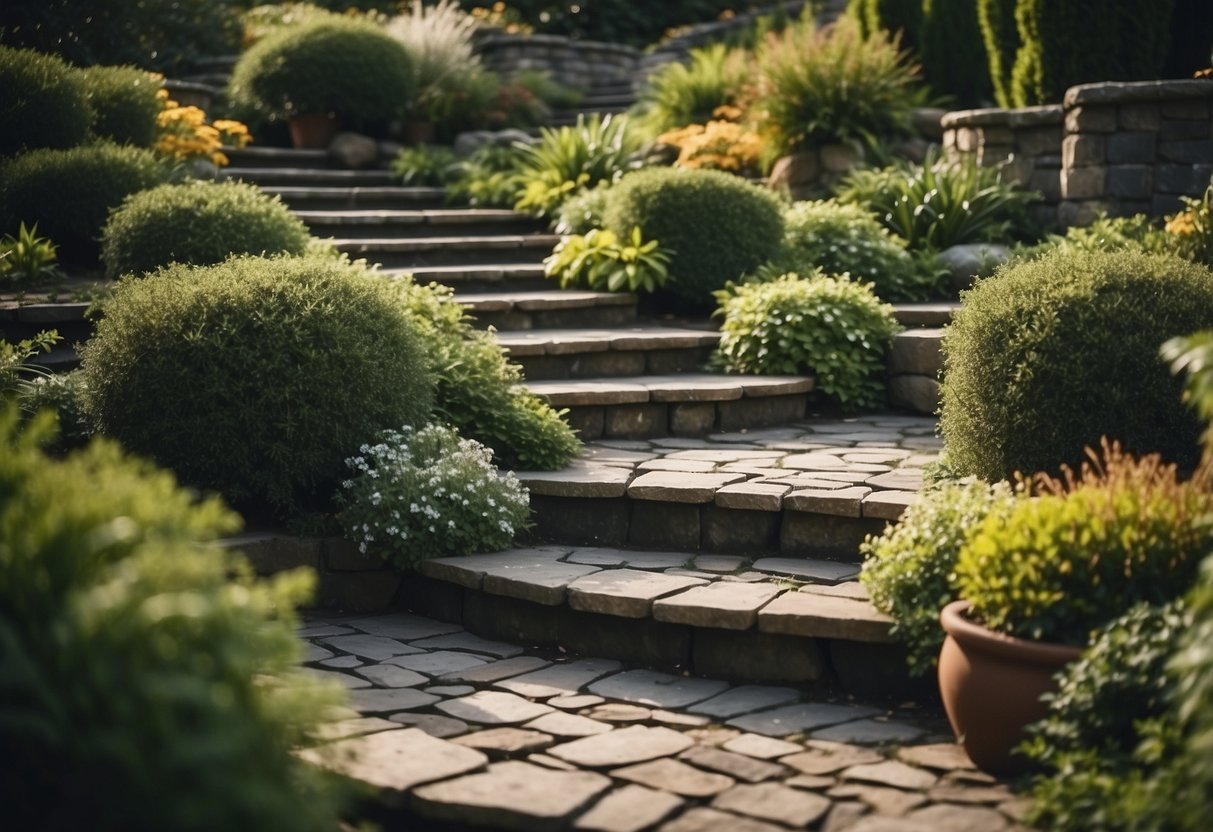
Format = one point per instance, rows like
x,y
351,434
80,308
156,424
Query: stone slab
x,y
503,742
841,502
888,505
679,487
391,676
745,699
380,701
870,732
433,724
402,626
771,801
764,748
795,719
724,604
631,808
581,479
674,776
564,679
470,643
375,648
661,690
805,569
828,758
891,773
752,496
438,663
496,671
628,593
737,766
824,616
397,760
622,747
568,725
703,819
491,707
948,756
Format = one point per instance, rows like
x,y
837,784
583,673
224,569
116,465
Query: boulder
x,y
969,261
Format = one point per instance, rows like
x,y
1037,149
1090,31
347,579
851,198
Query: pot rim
x,y
956,623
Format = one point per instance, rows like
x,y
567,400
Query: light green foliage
x,y
907,569
846,239
1062,563
63,394
123,103
148,680
199,223
680,94
69,193
42,102
1048,356
16,373
836,85
584,211
1184,786
1001,38
566,160
27,258
486,179
478,390
255,377
831,327
426,165
716,226
1104,234
600,260
426,493
347,67
940,203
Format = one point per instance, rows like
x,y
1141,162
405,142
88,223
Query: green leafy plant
x,y
1190,232
42,102
64,395
347,67
68,194
679,94
255,377
417,494
16,371
716,226
149,681
426,165
831,327
568,159
487,178
941,203
124,104
600,260
1104,234
1048,356
198,223
27,258
584,211
907,569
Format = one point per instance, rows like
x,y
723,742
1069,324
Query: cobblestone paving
x,y
490,734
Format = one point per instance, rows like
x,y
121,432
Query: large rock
x,y
968,261
800,173
353,150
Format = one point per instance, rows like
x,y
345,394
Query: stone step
x,y
680,405
804,488
408,224
637,350
450,251
915,364
309,177
279,157
925,314
489,277
552,309
336,198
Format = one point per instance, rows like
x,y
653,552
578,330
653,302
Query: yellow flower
x,y
1182,224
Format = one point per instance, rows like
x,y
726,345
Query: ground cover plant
x,y
43,102
569,159
599,260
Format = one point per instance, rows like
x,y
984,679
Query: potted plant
x,y
1070,556
324,75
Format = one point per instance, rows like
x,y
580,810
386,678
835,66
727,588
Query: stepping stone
x,y
723,605
946,756
375,648
597,557
841,502
737,766
568,725
752,496
511,795
680,719
622,747
391,676
628,593
902,479
320,630
619,712
827,758
496,671
560,679
719,563
944,817
678,487
745,699
814,462
764,748
661,690
795,719
685,466
629,809
891,773
870,732
825,616
771,801
674,776
503,742
821,571
580,479
969,793
342,662
355,728
888,505
575,702
809,781
403,626
470,643
397,760
653,560
891,802
849,815
378,701
438,663
432,724
447,691
852,590
491,707
345,680
702,819
550,762
535,575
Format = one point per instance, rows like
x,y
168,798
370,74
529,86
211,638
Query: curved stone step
x,y
488,277
278,157
407,224
308,177
370,197
554,308
449,251
639,349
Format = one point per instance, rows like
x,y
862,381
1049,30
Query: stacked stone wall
x,y
574,63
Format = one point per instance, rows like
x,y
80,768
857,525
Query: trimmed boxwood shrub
x,y
715,226
199,223
124,104
347,67
69,193
149,681
1048,356
42,102
256,377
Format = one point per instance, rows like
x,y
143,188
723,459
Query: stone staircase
x,y
605,97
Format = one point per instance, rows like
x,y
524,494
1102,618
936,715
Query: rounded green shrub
x,y
350,68
149,681
715,226
199,223
42,102
124,104
256,377
831,327
1048,356
69,193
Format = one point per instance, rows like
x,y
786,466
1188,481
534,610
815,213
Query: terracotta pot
x,y
312,131
991,686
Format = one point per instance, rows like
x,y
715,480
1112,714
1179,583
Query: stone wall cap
x,y
1116,92
998,117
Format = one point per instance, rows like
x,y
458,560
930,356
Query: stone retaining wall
x,y
575,63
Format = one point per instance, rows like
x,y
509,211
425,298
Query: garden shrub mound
x,y
69,193
715,226
42,102
199,223
347,67
256,377
149,681
1050,355
124,104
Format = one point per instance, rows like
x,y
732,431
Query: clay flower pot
x,y
991,686
312,131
